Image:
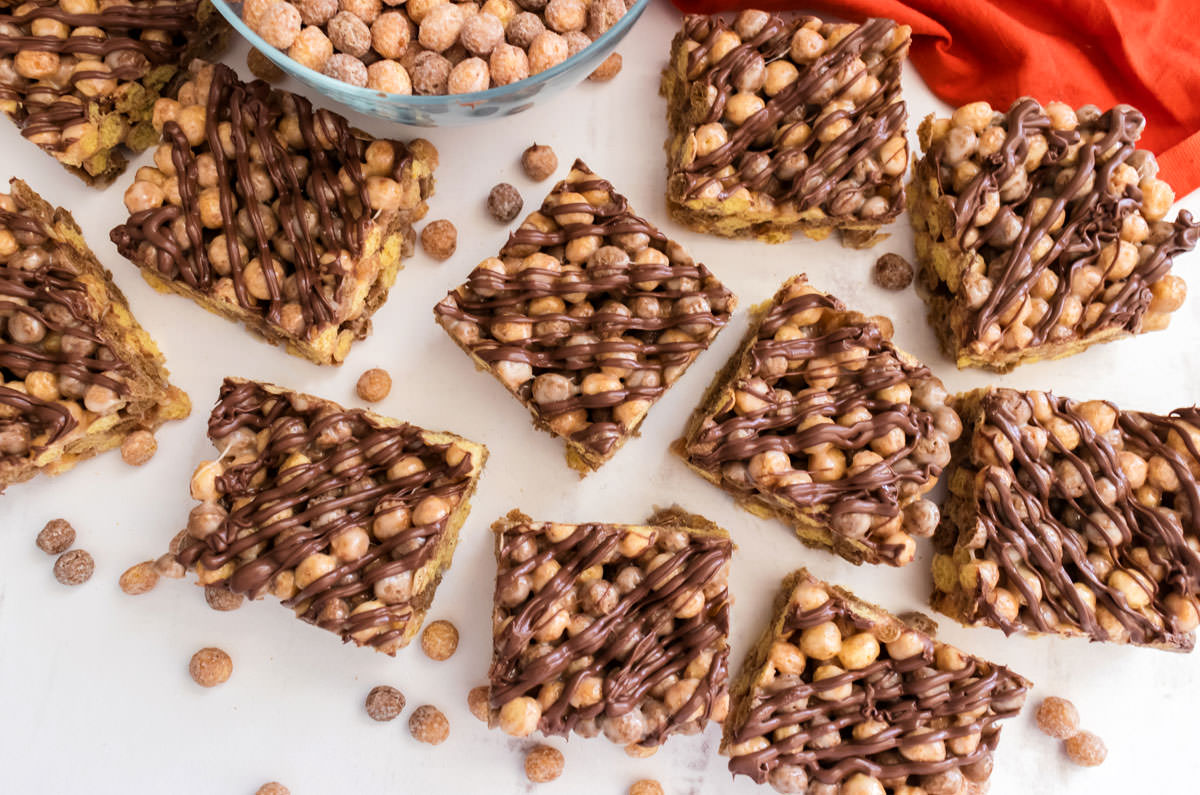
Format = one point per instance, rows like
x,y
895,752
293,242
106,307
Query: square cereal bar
x,y
274,214
588,316
1072,519
821,421
1042,231
782,122
350,518
80,78
839,696
614,629
77,372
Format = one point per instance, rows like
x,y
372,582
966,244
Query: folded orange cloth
x,y
1145,53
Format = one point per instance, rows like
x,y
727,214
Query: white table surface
x,y
95,695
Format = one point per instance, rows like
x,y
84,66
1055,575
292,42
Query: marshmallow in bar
x,y
588,316
783,123
1072,518
77,372
273,213
1043,230
839,697
80,77
821,421
611,629
348,517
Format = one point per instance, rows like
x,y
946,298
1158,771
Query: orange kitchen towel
x,y
1142,52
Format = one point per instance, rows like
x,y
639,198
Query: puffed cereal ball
x,y
262,67
523,29
481,33
607,70
390,34
374,385
138,448
543,763
366,10
346,68
312,48
564,15
1086,749
428,725
139,578
577,41
504,202
508,64
439,239
349,34
548,49
439,640
430,73
273,788
384,703
280,25
316,12
56,537
441,27
389,77
74,567
210,667
468,75
477,702
539,162
1057,717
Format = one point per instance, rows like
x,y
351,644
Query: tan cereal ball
x,y
440,28
481,34
477,702
279,25
389,77
138,447
428,725
390,34
262,67
366,10
607,70
439,641
1057,717
548,49
602,15
56,537
564,15
222,599
316,12
539,162
374,385
543,763
312,48
439,239
468,76
74,567
347,68
646,786
210,667
273,788
384,703
139,578
508,64
1086,749
577,41
349,34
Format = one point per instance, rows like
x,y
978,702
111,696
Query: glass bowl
x,y
452,110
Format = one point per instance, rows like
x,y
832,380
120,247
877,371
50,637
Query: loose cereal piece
x,y
82,376
821,421
428,725
892,272
477,702
607,70
312,290
210,667
367,565
1058,718
439,641
221,598
797,720
439,239
828,154
74,567
56,537
374,385
646,786
167,566
346,68
273,788
504,202
641,310
1108,556
139,578
384,703
138,448
1086,749
80,78
539,162
263,67
543,763
1042,231
636,616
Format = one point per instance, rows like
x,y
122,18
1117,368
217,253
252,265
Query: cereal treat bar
x,y
80,78
77,372
349,518
839,697
1042,231
820,420
614,629
783,122
588,316
274,214
1073,519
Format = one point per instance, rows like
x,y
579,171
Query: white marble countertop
x,y
94,690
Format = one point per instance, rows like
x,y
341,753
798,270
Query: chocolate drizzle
x,y
836,176
279,517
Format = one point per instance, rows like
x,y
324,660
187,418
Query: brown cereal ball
x,y
374,385
543,763
349,34
439,239
390,34
564,15
539,162
1086,749
139,578
439,641
504,202
74,567
602,15
430,73
428,725
548,49
138,448
210,667
477,702
1057,717
508,64
607,70
273,788
646,786
312,48
892,272
280,25
441,27
316,12
346,68
389,77
523,29
469,76
56,537
222,598
481,33
366,10
262,67
384,703
532,5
